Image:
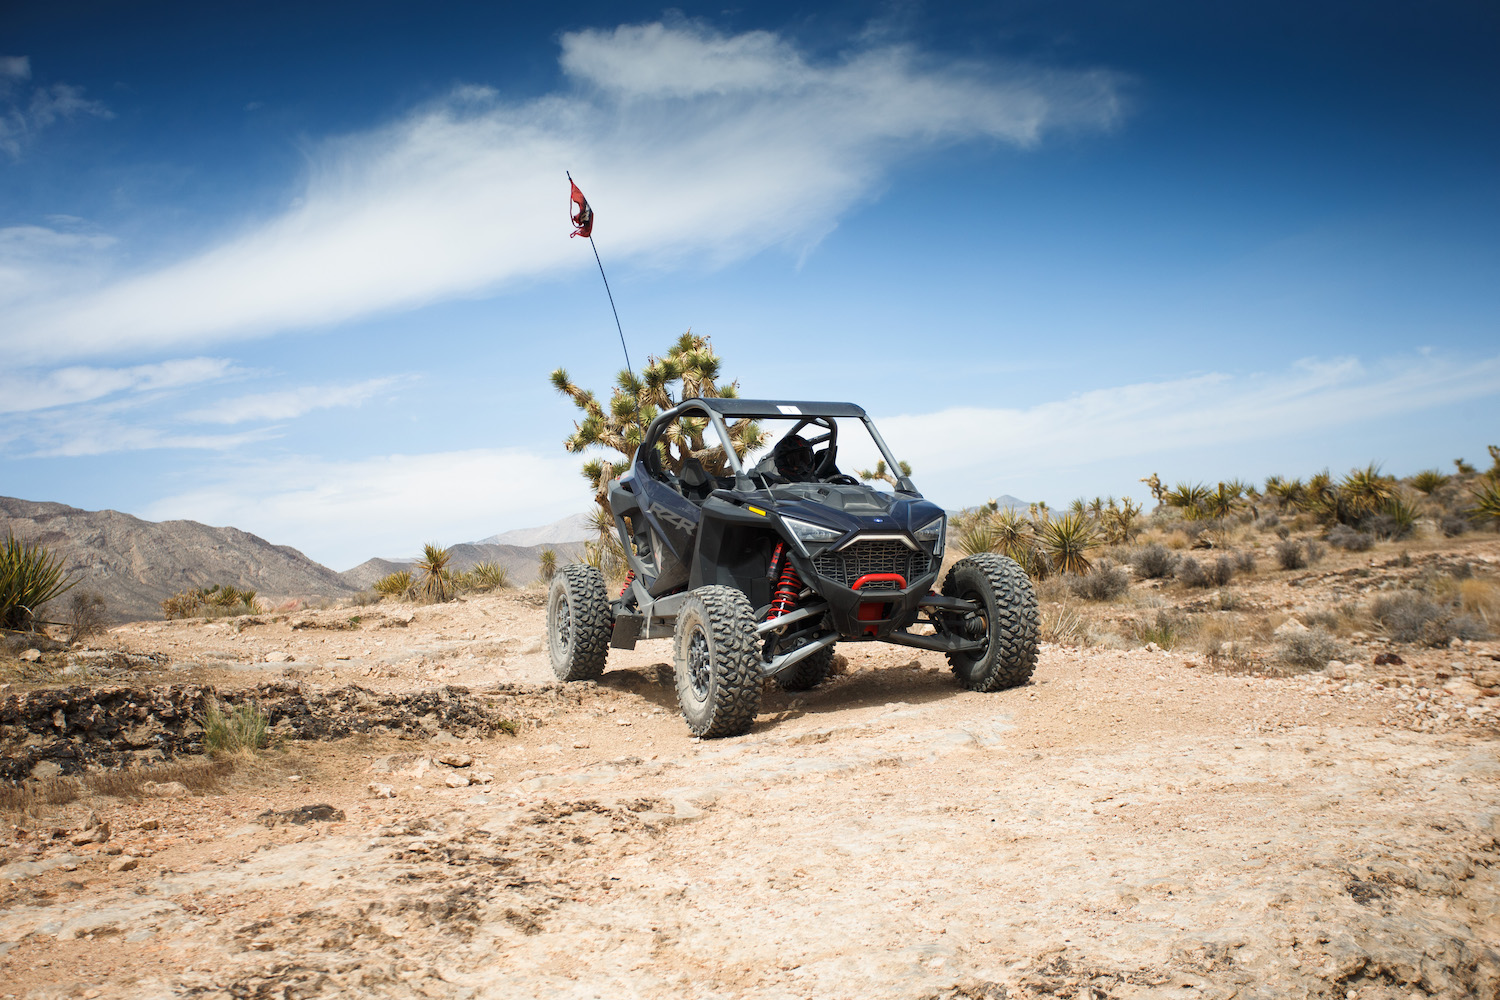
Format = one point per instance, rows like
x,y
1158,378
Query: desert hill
x,y
135,564
519,561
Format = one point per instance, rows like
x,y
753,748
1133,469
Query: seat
x,y
697,484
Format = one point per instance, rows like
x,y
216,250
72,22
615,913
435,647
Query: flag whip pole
x,y
607,292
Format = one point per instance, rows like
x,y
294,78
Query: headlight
x,y
807,532
932,532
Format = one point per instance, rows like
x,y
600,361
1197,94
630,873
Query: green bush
x,y
30,576
242,730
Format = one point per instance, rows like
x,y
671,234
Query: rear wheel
x,y
807,674
717,662
578,623
1006,622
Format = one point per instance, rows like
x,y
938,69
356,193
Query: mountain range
x,y
136,564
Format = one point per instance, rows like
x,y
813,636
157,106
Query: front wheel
x,y
717,662
804,675
1006,622
578,623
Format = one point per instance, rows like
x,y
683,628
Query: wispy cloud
x,y
693,145
342,513
286,404
963,452
23,391
26,111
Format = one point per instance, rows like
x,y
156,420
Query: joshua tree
x,y
883,474
546,565
691,368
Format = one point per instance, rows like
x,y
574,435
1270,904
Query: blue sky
x,y
303,269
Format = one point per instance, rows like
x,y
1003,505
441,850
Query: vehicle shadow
x,y
859,689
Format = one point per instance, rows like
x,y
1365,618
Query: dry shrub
x,y
1206,574
26,798
1341,536
199,776
239,731
1168,630
1311,649
89,616
1153,562
1104,582
1062,624
1291,555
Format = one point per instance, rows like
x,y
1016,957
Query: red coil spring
x,y
629,578
788,586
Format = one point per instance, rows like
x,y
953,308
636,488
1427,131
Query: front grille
x,y
855,561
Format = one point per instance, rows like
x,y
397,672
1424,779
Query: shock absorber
x,y
788,585
629,579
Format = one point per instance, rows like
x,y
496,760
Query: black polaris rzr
x,y
756,572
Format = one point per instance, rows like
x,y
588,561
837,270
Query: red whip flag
x,y
580,214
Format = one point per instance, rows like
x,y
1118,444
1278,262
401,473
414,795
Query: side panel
x,y
673,521
734,550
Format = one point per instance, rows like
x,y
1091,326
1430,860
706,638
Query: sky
x,y
304,268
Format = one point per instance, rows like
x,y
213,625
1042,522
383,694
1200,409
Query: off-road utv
x,y
757,572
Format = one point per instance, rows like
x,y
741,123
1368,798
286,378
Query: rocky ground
x,y
439,820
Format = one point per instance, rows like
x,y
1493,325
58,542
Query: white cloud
x,y
342,513
21,119
288,403
37,262
692,145
964,454
23,391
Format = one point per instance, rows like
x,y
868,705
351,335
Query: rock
x,y
455,759
278,656
301,815
456,781
1487,678
1336,670
124,863
43,770
1152,647
97,835
149,824
1289,627
165,789
481,778
31,655
1381,659
379,791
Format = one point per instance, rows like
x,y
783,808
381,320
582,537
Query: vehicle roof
x,y
778,407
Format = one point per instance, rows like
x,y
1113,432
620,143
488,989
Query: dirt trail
x,y
1127,825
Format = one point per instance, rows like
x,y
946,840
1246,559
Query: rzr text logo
x,y
673,518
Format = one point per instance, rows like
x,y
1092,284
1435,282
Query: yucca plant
x,y
1188,498
1319,497
488,576
1012,533
1429,481
396,584
1286,492
546,565
1486,494
1066,540
1403,512
30,576
978,536
1363,492
1219,503
1464,468
435,577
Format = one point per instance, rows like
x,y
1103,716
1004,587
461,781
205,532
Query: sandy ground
x,y
1130,824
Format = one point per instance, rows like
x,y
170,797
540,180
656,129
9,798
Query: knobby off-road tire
x,y
1008,620
806,674
578,623
717,661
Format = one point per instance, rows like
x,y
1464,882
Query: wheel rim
x,y
976,625
698,662
562,621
